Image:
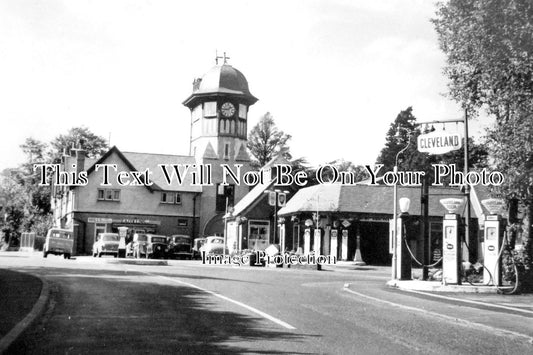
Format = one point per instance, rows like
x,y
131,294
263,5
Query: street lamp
x,y
395,212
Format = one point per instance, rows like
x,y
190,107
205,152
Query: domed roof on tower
x,y
221,80
224,78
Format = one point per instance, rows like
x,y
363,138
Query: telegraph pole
x,y
467,193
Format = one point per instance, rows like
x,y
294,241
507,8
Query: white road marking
x,y
250,308
454,320
492,305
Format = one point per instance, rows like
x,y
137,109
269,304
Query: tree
x,y
266,141
26,204
413,160
489,50
402,133
94,145
14,203
38,196
478,156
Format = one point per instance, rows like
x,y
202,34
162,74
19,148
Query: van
x,y
58,242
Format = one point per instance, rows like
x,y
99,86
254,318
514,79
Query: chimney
x,y
64,157
80,156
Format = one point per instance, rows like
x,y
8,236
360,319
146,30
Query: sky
x,y
334,74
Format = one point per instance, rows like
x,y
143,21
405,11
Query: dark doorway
x,y
375,243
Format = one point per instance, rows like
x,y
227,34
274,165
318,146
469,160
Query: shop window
x,y
99,228
258,234
225,192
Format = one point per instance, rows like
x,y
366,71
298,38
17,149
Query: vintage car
x,y
197,244
179,246
137,247
106,243
58,242
157,246
148,246
213,245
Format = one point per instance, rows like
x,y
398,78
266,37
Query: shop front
x,y
88,226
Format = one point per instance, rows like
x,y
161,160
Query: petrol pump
x,y
451,243
494,228
122,233
403,260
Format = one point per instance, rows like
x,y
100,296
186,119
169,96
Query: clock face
x,y
227,109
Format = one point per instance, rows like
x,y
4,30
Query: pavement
x,y
24,297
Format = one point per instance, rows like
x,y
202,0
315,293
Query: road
x,y
186,307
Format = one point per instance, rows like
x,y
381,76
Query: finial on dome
x,y
217,57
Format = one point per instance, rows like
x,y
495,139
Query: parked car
x,y
106,243
138,245
197,244
213,245
58,242
157,246
148,246
179,246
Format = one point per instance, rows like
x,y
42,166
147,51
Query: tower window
x,y
242,111
226,151
197,113
210,109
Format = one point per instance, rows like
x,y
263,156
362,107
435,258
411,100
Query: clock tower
x,y
219,106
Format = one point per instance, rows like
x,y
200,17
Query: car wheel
x,y
45,254
68,256
116,255
99,254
